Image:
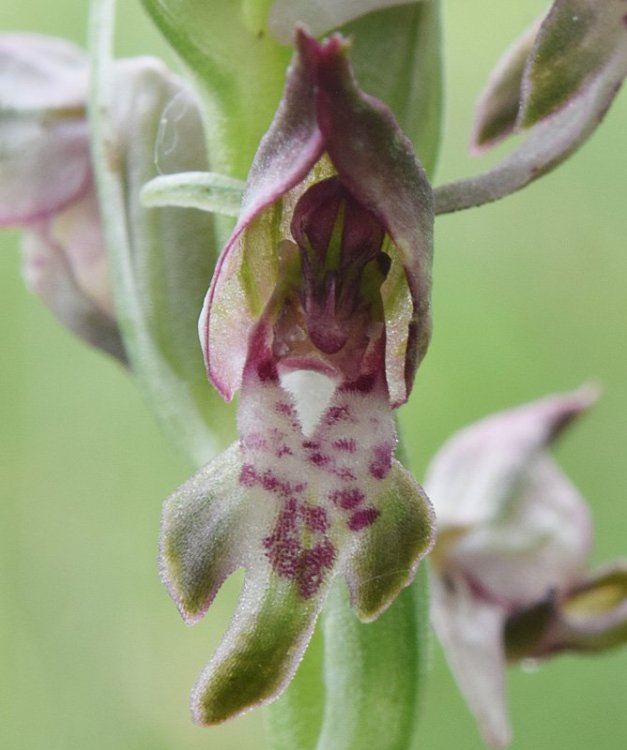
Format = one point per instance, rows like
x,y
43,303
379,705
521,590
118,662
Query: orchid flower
x,y
46,184
556,82
509,576
319,311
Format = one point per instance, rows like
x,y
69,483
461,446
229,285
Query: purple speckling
x,y
253,441
318,459
269,481
336,414
284,556
363,518
248,476
284,450
348,498
312,566
282,407
311,444
382,462
316,518
345,474
348,445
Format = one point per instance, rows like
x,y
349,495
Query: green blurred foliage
x,y
530,297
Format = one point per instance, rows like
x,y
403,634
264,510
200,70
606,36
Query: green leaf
x,y
204,190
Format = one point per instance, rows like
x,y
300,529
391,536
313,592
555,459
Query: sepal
x,y
496,114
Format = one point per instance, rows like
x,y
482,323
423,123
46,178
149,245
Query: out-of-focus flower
x,y
557,82
46,184
509,576
47,187
320,312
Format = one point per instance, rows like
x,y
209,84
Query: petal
x,y
389,551
497,110
579,41
539,542
49,274
286,154
470,630
592,617
44,166
79,232
320,16
376,161
474,473
396,55
594,614
44,160
40,73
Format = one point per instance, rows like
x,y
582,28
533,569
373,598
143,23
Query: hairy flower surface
x,y
319,311
509,574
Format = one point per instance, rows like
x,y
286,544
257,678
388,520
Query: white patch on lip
x,y
312,393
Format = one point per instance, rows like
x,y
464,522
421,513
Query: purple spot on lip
x,y
348,445
253,440
363,518
248,475
347,499
312,566
337,414
311,444
283,555
382,463
284,408
344,473
316,518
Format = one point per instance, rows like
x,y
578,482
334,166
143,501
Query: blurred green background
x,y
530,297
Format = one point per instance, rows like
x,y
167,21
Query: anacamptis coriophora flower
x,y
319,311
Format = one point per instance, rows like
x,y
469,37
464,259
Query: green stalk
x,y
161,259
